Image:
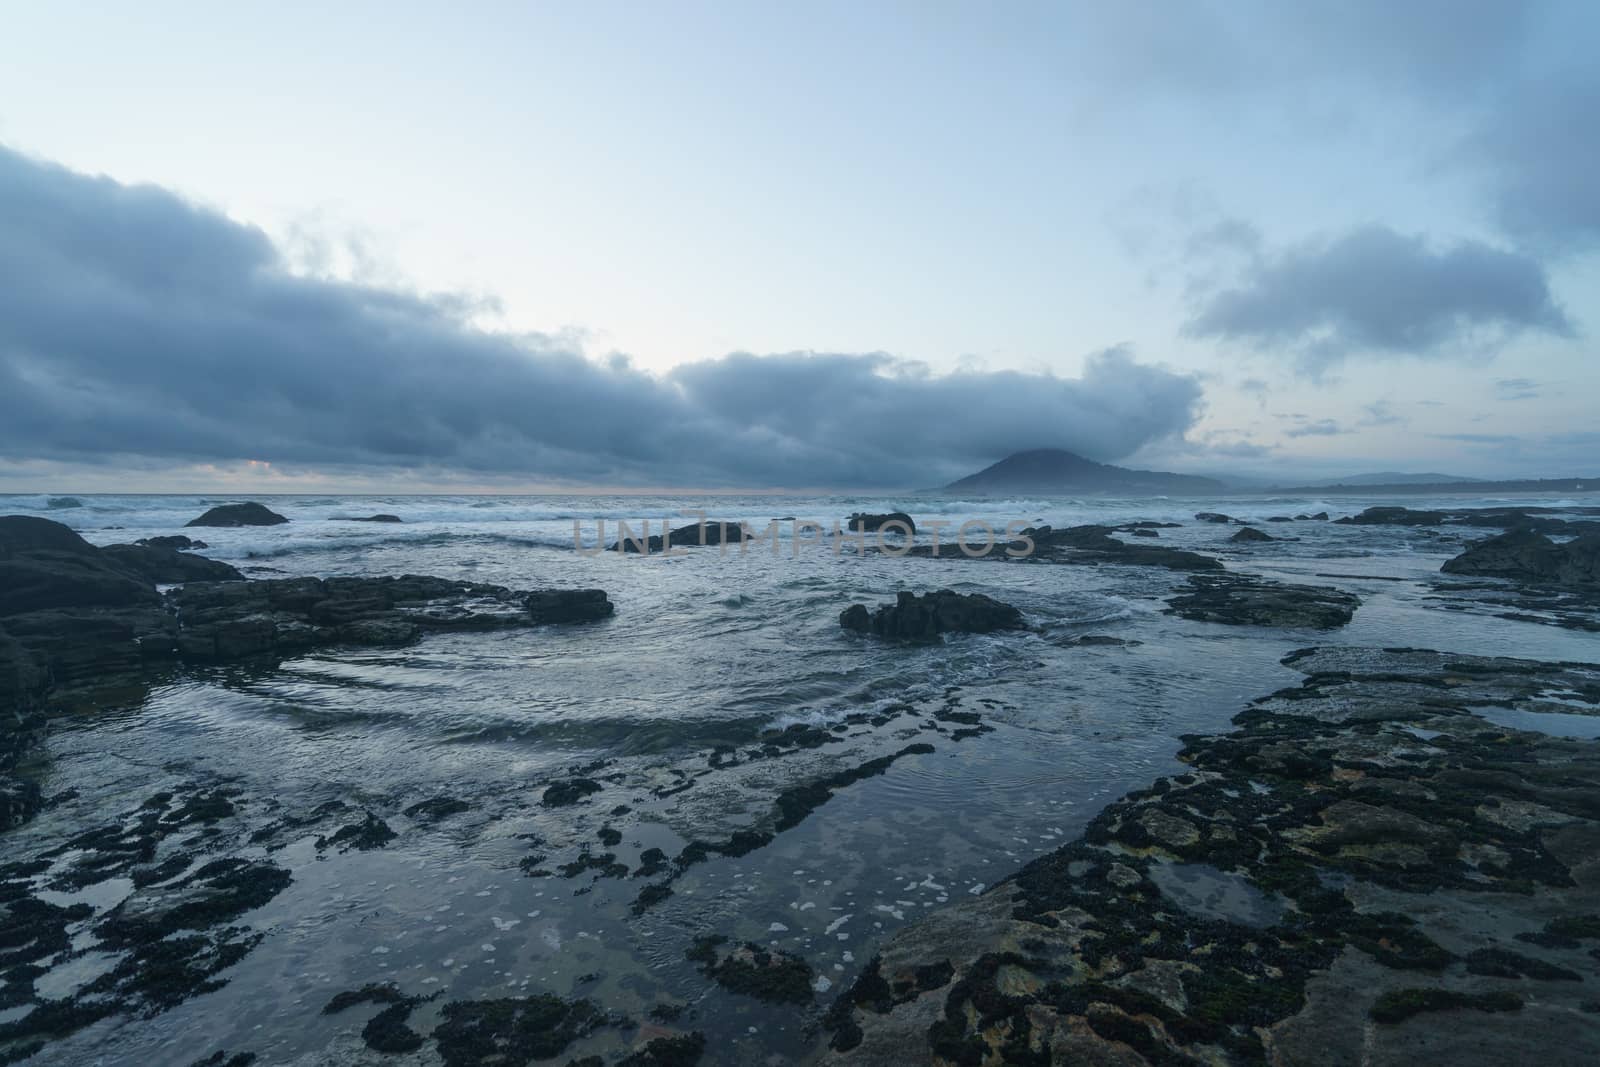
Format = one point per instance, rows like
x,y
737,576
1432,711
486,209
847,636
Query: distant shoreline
x,y
1526,485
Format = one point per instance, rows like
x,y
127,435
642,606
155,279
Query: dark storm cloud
x,y
134,324
1375,290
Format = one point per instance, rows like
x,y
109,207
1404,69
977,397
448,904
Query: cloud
x,y
1319,428
137,326
1517,388
1374,290
1538,164
1381,413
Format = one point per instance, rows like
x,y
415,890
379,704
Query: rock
x,y
707,533
1244,600
28,533
45,565
565,794
1216,517
373,518
1526,556
924,618
862,522
247,514
1321,516
1094,544
1249,534
167,566
568,605
1348,876
1529,518
174,541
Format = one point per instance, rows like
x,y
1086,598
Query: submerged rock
x,y
1526,556
924,618
247,514
1245,600
373,518
862,522
568,605
1216,517
764,973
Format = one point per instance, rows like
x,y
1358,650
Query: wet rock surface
x,y
927,617
247,514
1088,545
1246,600
229,620
1541,519
1396,874
1528,556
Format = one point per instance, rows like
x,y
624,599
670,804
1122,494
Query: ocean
x,y
713,654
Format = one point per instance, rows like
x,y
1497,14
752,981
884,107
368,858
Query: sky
x,y
410,246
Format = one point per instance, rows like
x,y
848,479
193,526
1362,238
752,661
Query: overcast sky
x,y
806,245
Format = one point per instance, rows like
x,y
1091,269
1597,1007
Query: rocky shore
x,y
76,619
1369,868
1365,870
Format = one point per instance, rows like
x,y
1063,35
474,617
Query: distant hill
x,y
1459,487
1394,478
1055,472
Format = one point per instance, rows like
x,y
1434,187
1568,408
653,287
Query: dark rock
x,y
1526,556
1279,518
683,1050
29,533
700,533
1248,535
1347,840
437,808
1094,544
372,518
247,514
766,974
174,541
568,605
924,618
862,522
565,794
512,1032
228,620
167,566
1216,516
1244,600
1321,516
1528,518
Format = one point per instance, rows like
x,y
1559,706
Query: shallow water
x,y
708,648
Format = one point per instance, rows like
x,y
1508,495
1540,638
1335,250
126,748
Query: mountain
x,y
1393,478
1054,472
